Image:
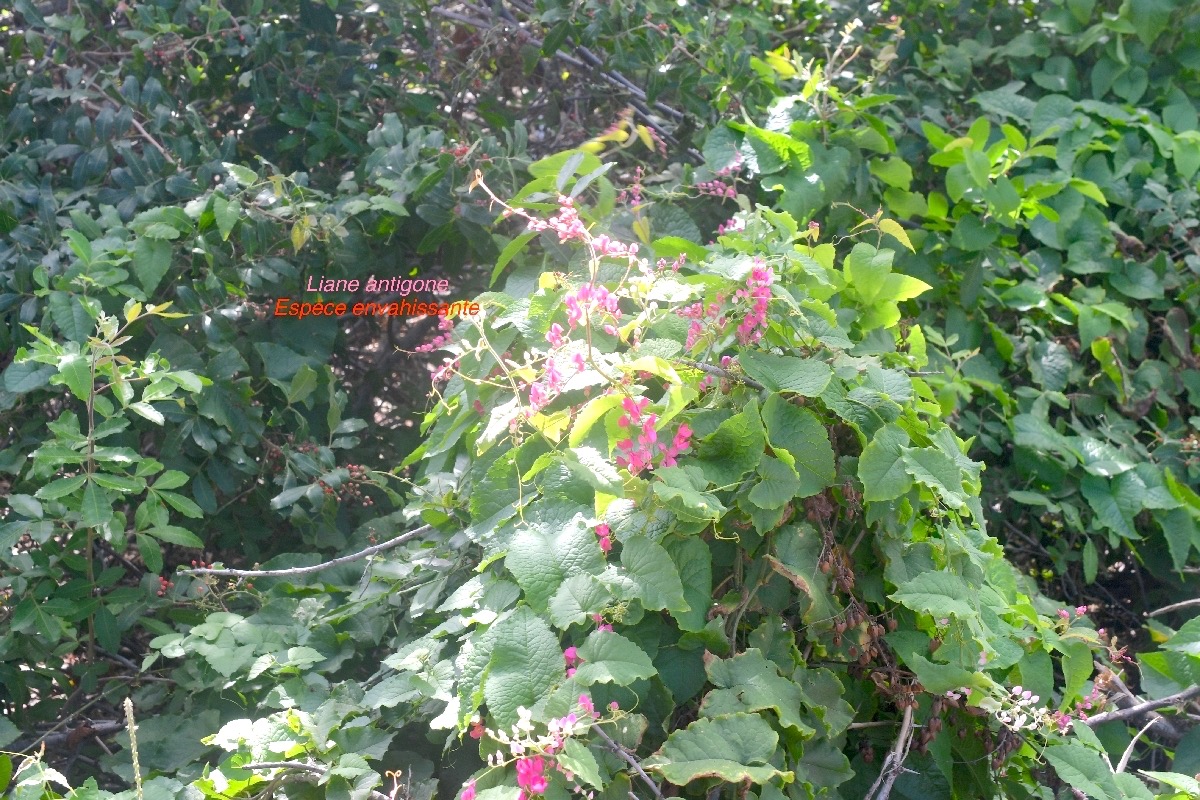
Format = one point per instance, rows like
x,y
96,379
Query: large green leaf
x,y
655,575
693,559
733,449
940,594
151,261
526,663
801,435
933,468
541,558
611,658
797,552
881,467
803,376
749,682
735,748
1083,769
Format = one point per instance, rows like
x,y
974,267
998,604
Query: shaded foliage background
x,y
1042,159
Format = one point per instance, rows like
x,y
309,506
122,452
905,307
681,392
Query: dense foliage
x,y
828,428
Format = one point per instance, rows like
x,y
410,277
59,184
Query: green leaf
x,y
243,175
1110,512
801,436
807,377
1150,18
181,504
70,316
935,469
881,467
108,632
797,551
61,487
897,232
509,252
939,594
1083,769
655,575
27,376
693,559
76,372
1091,559
151,261
735,748
173,534
611,658
778,484
749,682
526,664
226,213
576,758
150,551
938,678
733,449
96,508
541,560
866,270
576,600
25,505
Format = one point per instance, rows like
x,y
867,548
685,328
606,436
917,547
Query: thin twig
x,y
1175,607
1124,762
893,764
281,573
633,762
1138,709
720,372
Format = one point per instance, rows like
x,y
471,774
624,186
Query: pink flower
x,y
571,656
468,792
555,335
1064,614
1080,610
585,702
531,774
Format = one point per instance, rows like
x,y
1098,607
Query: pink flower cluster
x,y
758,293
617,249
553,377
632,195
638,453
1095,701
566,223
531,776
445,325
731,225
698,313
604,534
1065,614
601,625
717,189
581,302
674,266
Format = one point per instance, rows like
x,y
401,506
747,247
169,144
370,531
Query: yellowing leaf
x,y
894,229
642,228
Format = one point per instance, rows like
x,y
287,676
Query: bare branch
x,y
893,764
1124,762
283,573
1175,607
1146,706
633,762
720,372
